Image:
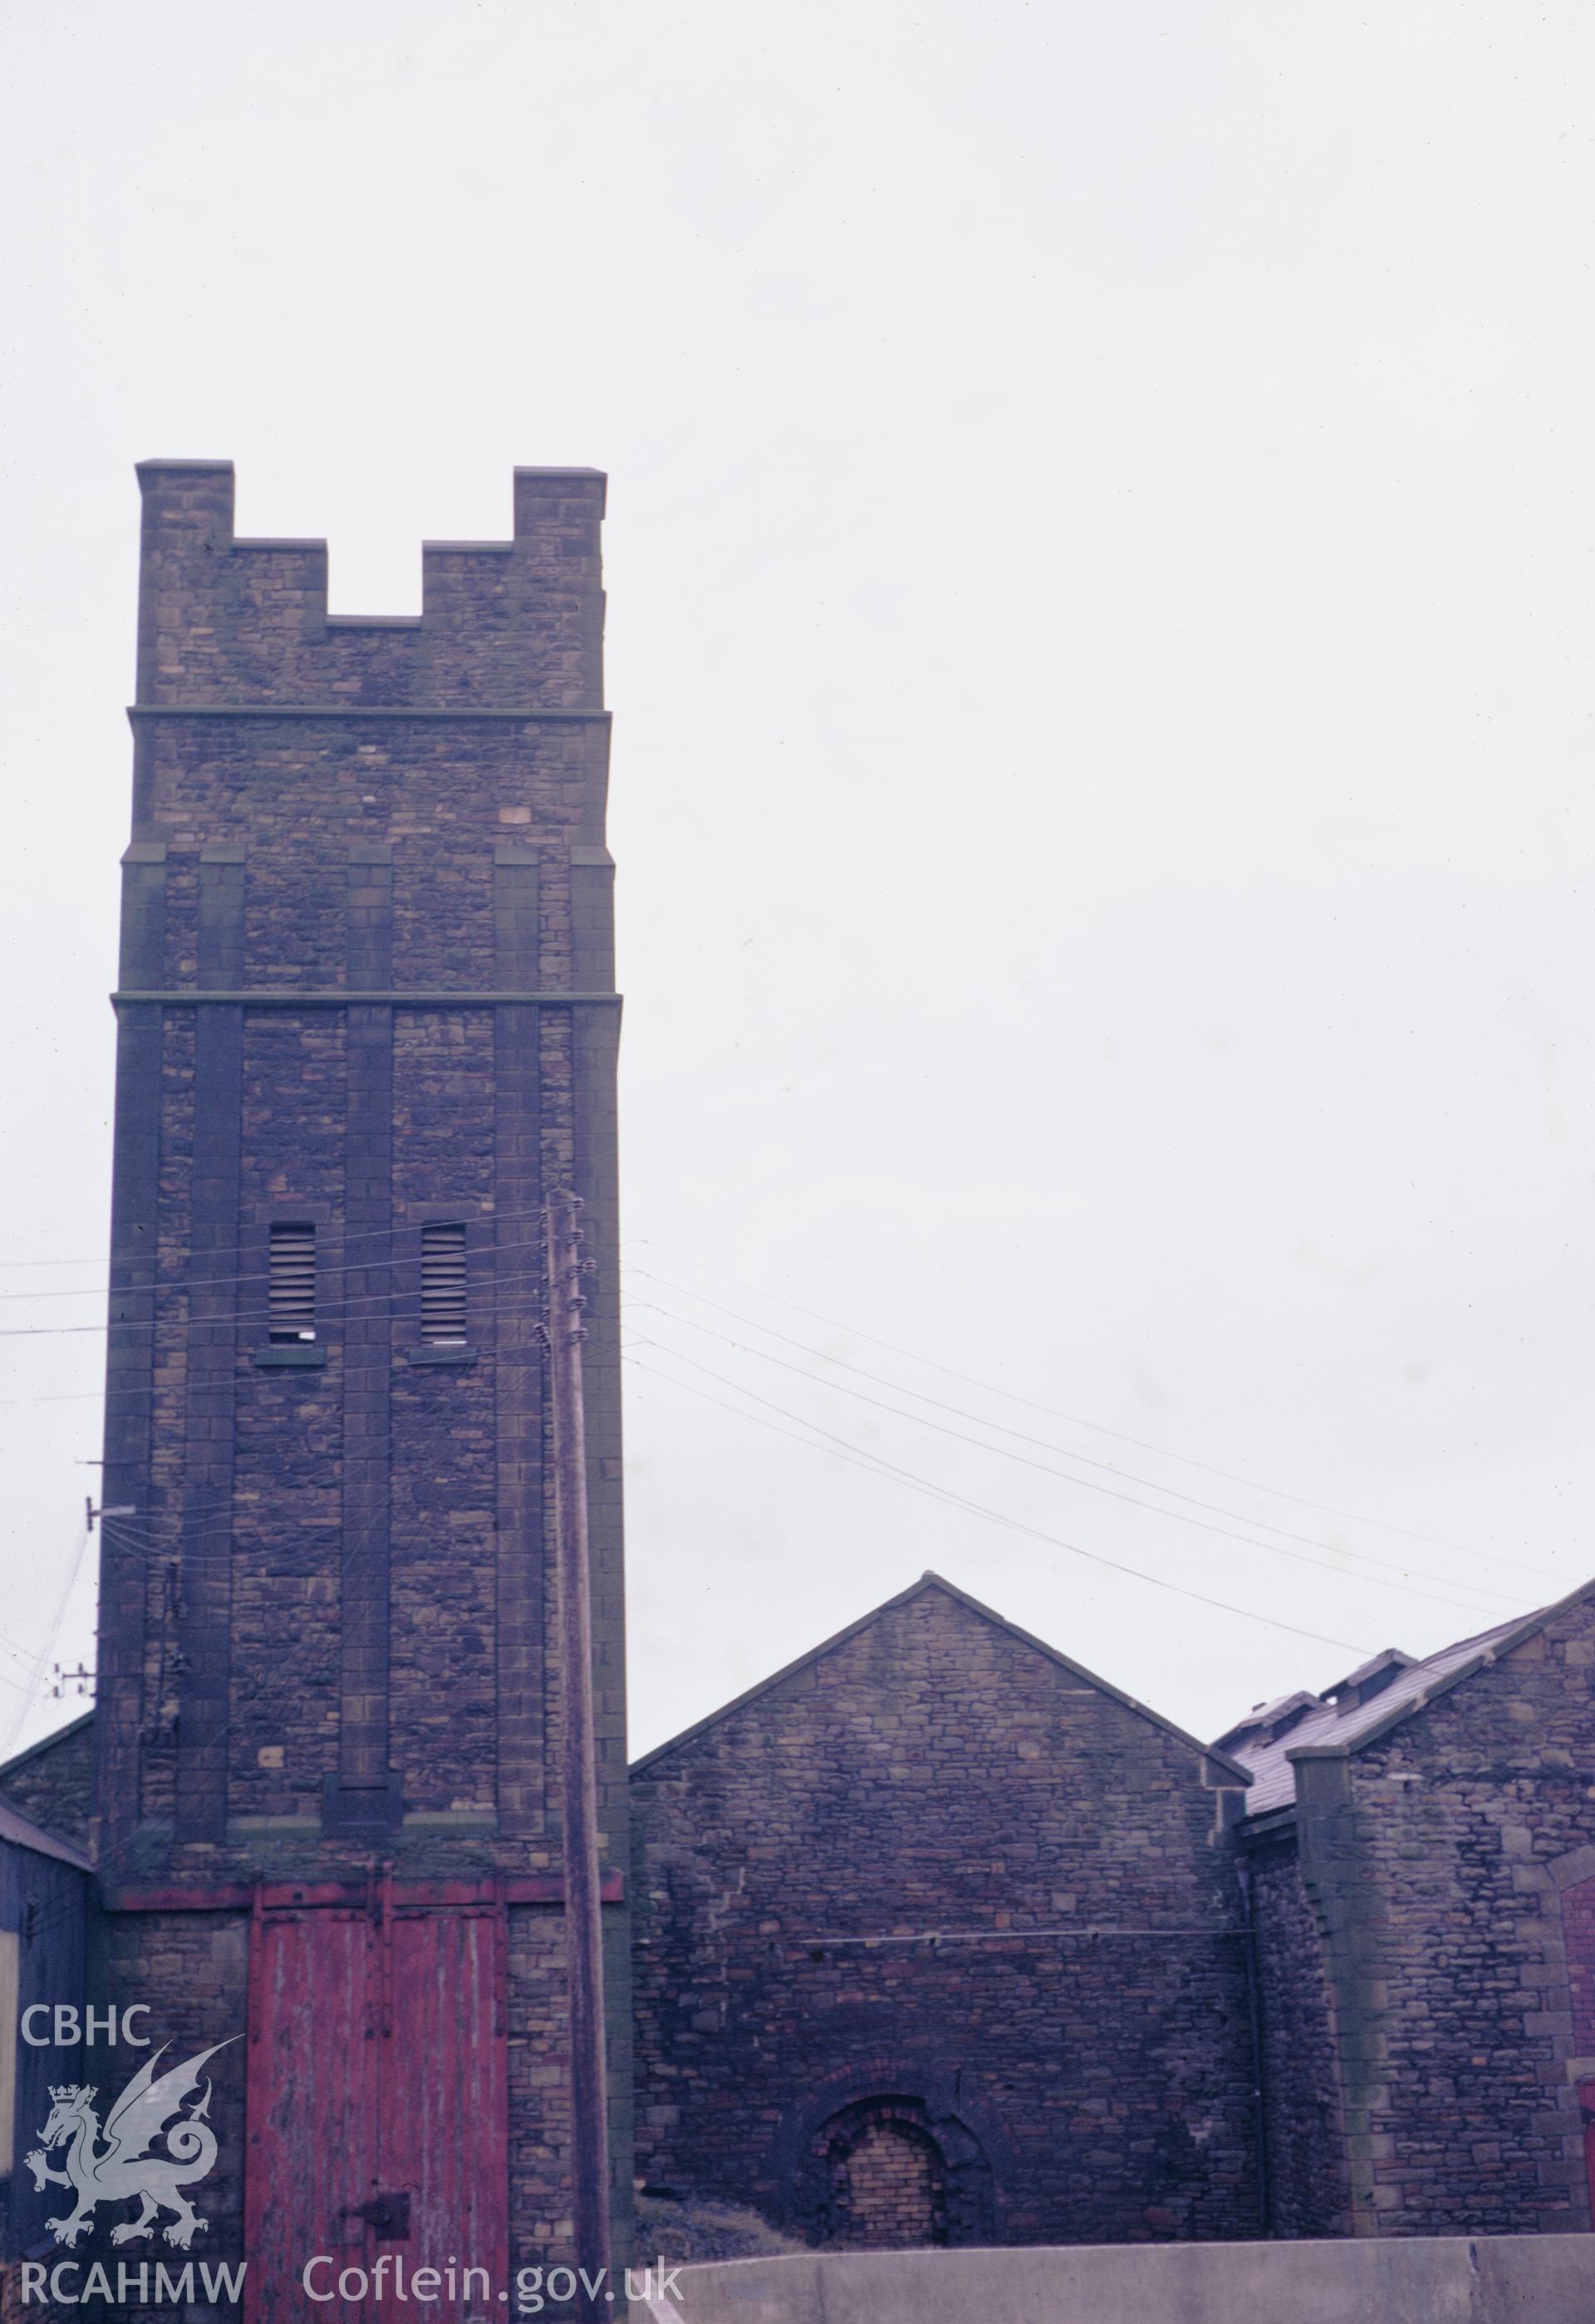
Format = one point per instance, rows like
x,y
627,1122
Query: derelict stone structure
x,y
366,1017
868,2005
938,1938
1423,1846
1024,2042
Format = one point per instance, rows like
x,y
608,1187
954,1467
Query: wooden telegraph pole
x,y
584,1933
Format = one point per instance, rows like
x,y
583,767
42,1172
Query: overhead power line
x,y
1054,1412
1043,1443
1406,1587
366,1301
915,1483
176,1284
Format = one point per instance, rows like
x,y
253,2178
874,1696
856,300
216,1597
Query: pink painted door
x,y
376,2106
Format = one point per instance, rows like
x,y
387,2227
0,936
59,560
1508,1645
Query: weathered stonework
x,y
938,1882
49,1784
1298,2070
1433,1852
940,1938
367,902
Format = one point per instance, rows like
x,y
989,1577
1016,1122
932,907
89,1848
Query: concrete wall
x,y
1503,2280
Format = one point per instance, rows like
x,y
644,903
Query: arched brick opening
x,y
976,2158
883,2175
887,2180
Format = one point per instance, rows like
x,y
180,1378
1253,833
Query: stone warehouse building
x,y
938,1938
935,1910
936,1935
1419,1849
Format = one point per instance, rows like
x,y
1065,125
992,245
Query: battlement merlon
x,y
505,625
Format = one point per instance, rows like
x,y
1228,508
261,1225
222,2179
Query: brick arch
x,y
965,2148
885,2187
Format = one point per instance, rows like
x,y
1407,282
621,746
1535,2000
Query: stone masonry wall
x,y
276,749
49,1784
190,1970
223,618
938,1866
1439,1855
1307,2190
328,1633
284,1523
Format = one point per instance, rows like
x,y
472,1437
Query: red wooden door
x,y
308,2100
376,2106
443,2105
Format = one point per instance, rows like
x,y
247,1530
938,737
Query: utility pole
x,y
584,1933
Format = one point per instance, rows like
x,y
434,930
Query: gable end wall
x,y
933,1773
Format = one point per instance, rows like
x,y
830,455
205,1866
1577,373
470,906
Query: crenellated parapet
x,y
237,622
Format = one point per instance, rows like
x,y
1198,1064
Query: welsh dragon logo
x,y
123,2167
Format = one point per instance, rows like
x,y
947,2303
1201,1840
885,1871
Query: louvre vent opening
x,y
443,1286
290,1284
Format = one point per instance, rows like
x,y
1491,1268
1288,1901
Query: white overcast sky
x,y
1099,566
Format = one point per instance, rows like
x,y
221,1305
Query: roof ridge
x,y
930,1580
46,1742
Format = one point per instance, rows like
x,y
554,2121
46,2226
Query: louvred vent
x,y
443,1286
291,1282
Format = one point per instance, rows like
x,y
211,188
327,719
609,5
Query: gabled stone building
x,y
936,1892
1419,1845
938,1938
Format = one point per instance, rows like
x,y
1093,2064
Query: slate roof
x,y
1364,1705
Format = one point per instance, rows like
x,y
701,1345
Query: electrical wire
x,y
1089,1484
471,1212
1054,1412
62,1605
859,1459
184,1523
369,1302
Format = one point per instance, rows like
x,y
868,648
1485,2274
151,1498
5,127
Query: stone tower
x,y
366,1017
